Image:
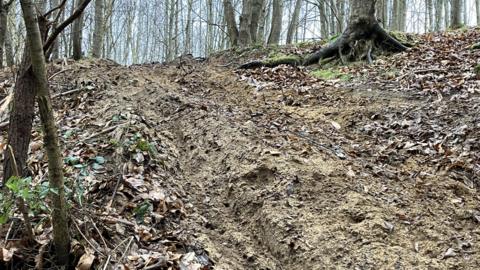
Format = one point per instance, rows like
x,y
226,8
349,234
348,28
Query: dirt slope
x,y
274,169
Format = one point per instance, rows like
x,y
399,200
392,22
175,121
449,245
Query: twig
x,y
70,92
126,249
103,131
107,262
9,230
84,237
110,203
99,233
113,251
112,219
58,73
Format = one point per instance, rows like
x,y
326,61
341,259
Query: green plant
x,y
142,210
22,188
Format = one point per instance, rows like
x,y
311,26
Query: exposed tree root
x,y
353,45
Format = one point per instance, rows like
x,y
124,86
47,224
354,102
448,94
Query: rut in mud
x,y
275,169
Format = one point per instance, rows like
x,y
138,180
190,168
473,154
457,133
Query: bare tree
x,y
292,27
77,34
456,14
61,237
438,14
477,9
4,7
276,27
99,31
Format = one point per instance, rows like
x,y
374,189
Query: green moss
x,y
305,44
477,70
333,38
143,145
475,46
283,59
406,39
330,74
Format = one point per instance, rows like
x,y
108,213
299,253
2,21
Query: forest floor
x,y
195,164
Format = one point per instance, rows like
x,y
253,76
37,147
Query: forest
x,y
239,134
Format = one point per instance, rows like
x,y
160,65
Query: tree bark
x,y
323,18
438,14
447,13
188,29
61,237
264,18
276,27
456,14
430,24
4,8
293,25
393,23
99,31
401,16
381,15
77,34
21,119
255,19
244,37
230,21
477,11
9,49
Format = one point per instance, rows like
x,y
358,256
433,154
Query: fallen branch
x,y
103,131
70,92
58,73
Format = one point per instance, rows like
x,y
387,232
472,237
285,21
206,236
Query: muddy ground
x,y
275,169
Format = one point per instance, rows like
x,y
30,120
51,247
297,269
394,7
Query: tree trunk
x,y
332,14
438,14
447,13
9,49
393,23
430,15
341,15
4,7
61,237
55,46
210,37
323,19
77,34
276,27
264,18
21,119
381,15
292,27
188,29
98,32
244,37
477,11
401,16
456,14
255,20
230,21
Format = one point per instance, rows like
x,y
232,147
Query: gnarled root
x,y
352,45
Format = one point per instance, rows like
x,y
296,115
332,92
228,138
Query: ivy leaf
x,y
99,159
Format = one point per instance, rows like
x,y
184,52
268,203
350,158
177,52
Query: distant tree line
x,y
134,31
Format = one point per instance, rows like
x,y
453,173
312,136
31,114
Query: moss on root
x,y
294,60
406,39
